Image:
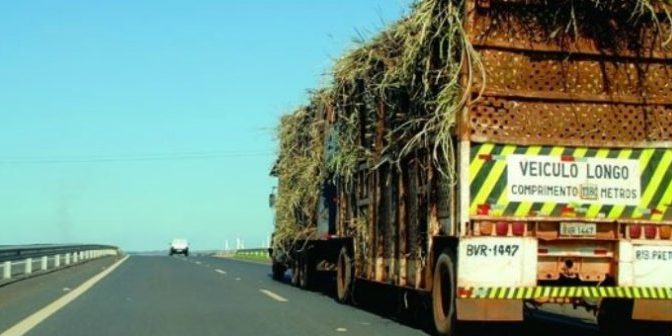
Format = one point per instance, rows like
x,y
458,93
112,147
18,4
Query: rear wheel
x,y
278,270
295,272
654,328
306,273
614,316
344,276
443,294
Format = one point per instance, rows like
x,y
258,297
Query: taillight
x,y
502,228
650,231
464,292
518,228
486,228
665,232
600,252
635,231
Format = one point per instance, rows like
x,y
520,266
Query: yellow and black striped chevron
x,y
661,293
488,184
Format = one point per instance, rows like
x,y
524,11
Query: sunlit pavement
x,y
211,296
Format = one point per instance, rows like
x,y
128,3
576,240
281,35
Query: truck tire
x,y
278,271
306,275
344,271
654,328
296,270
614,316
443,294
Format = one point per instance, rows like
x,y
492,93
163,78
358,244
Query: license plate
x,y
578,229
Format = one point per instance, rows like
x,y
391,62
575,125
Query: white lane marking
x,y
273,296
237,279
198,263
341,329
31,321
220,271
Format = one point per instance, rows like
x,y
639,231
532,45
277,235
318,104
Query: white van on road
x,y
179,246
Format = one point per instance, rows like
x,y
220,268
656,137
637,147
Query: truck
x,y
489,155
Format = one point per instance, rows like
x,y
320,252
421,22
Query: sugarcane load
x,y
470,128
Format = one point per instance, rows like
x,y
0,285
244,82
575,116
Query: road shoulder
x,y
21,299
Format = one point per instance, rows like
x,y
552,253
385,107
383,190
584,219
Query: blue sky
x,y
104,105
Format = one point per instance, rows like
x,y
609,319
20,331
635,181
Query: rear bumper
x,y
552,292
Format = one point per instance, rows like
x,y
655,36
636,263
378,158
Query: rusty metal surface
x,y
583,268
574,77
489,310
609,86
652,310
387,215
553,122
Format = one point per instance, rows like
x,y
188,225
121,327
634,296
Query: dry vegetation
x,y
400,92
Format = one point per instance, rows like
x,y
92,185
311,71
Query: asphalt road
x,y
206,296
20,299
165,296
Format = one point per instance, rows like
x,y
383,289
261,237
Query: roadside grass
x,y
261,257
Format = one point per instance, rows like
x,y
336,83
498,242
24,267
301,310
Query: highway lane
x,y
20,299
163,295
207,296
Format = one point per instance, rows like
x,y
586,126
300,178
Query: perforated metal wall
x,y
602,88
500,120
576,77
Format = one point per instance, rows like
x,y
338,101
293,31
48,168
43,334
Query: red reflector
x,y
650,231
567,158
518,228
567,209
600,252
486,228
483,209
542,251
502,228
635,231
464,292
485,157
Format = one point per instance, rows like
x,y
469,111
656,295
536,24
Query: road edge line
x,y
36,318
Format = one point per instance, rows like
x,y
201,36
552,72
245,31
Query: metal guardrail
x,y
26,251
23,261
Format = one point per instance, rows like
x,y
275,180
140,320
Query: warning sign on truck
x,y
591,180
